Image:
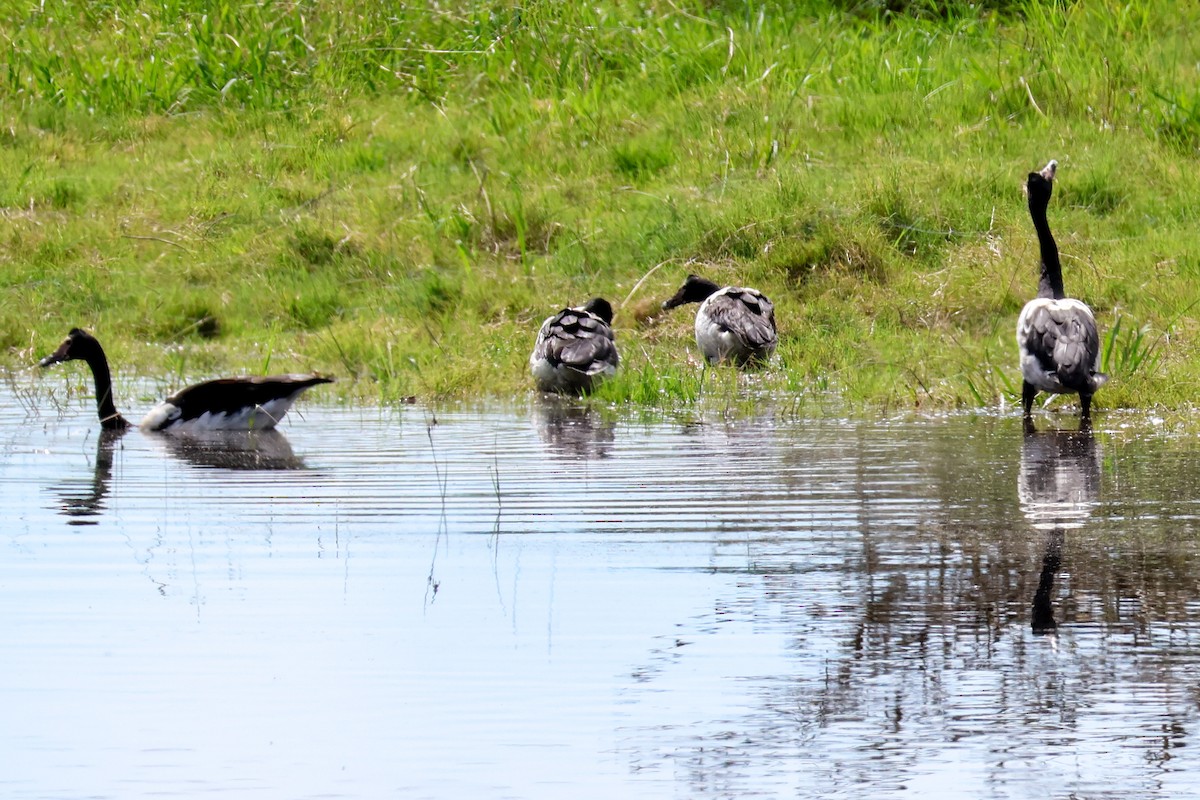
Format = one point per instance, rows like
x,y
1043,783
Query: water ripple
x,y
552,600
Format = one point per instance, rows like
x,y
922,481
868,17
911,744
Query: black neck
x,y
703,289
1051,282
110,418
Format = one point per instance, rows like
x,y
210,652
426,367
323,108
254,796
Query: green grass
x,y
399,195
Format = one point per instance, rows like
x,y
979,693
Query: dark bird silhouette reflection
x,y
572,429
1058,487
83,501
1043,606
240,450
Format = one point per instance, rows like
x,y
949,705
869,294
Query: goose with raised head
x,y
1056,334
575,349
225,404
733,323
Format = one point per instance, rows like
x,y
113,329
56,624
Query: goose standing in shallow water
x,y
575,349
225,404
1057,336
732,324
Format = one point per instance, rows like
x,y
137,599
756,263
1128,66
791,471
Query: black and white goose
x,y
225,404
732,324
575,349
1056,334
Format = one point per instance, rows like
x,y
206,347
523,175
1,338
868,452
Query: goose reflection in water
x,y
240,450
572,429
81,501
1058,486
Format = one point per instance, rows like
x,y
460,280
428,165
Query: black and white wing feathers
x,y
747,314
573,349
736,324
1060,346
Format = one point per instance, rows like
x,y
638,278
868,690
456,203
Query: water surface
x,y
544,601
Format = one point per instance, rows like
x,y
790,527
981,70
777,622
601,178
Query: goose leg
x,y
1085,400
1028,392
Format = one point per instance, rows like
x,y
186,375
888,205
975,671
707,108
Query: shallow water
x,y
541,602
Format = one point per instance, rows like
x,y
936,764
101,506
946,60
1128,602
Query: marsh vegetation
x,y
399,194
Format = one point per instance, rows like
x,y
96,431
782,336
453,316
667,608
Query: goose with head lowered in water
x,y
225,404
733,324
1056,334
575,349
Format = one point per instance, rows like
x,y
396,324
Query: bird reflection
x,y
84,508
573,429
1058,486
242,450
1043,608
1059,482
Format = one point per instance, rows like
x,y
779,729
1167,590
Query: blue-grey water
x,y
550,601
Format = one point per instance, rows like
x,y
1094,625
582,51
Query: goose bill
x,y
58,356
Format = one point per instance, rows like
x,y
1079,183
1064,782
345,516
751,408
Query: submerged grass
x,y
400,194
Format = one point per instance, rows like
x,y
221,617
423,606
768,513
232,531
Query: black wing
x,y
232,395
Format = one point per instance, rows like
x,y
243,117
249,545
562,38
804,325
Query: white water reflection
x,y
552,601
1060,478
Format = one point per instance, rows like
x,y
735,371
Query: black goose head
x,y
601,308
79,345
1039,185
82,346
694,290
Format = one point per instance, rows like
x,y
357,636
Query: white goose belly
x,y
560,377
165,417
717,343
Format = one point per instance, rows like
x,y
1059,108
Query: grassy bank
x,y
399,196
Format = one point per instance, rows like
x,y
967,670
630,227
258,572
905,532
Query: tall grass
x,y
1119,64
402,192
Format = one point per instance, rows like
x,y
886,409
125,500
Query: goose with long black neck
x,y
225,404
1056,334
734,324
